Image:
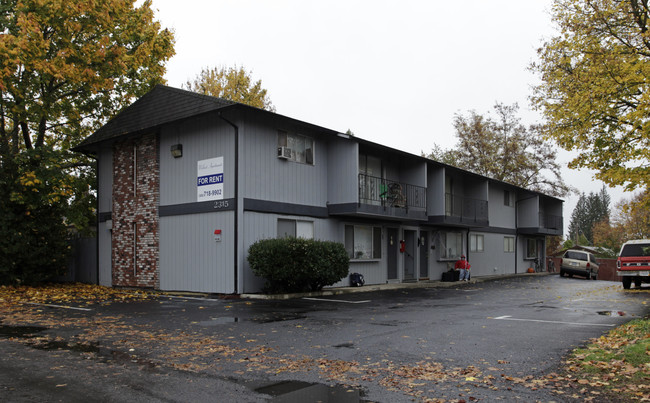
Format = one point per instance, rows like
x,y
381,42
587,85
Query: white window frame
x,y
301,228
509,244
359,248
476,243
447,238
302,147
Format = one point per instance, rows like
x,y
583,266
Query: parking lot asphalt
x,y
489,339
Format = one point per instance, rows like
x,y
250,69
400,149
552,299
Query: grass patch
x,y
617,363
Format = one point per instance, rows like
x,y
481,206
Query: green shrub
x,y
297,264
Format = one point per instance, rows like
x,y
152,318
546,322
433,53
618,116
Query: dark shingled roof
x,y
159,106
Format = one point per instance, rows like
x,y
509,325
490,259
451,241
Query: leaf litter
x,y
605,368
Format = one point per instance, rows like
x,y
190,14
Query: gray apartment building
x,y
188,182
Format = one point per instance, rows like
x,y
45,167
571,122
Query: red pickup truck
x,y
633,263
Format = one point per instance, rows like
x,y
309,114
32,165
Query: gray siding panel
x,y
343,171
202,138
436,191
500,215
190,258
493,260
265,176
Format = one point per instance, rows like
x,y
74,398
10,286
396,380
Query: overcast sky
x,y
393,72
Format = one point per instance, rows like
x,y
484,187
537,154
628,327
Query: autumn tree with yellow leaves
x,y
232,83
594,91
66,67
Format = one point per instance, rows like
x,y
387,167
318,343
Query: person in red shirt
x,y
463,266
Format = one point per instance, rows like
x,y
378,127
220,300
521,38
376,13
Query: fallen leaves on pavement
x,y
605,368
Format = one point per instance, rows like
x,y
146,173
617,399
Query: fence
x,y
82,266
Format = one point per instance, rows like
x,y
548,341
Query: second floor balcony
x,y
386,198
386,193
463,210
550,221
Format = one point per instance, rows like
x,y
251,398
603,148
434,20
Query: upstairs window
x,y
507,198
295,147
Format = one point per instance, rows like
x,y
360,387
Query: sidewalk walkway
x,y
389,286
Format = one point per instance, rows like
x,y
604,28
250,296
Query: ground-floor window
x,y
476,242
363,242
295,228
452,245
509,244
531,248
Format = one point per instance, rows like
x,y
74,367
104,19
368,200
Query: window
x,y
363,242
295,228
476,243
301,148
507,198
509,244
531,249
451,245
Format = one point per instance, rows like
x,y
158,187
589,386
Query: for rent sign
x,y
209,181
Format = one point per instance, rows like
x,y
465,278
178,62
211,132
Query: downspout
x,y
235,231
467,244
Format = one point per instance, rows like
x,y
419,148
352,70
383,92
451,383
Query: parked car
x,y
580,263
633,263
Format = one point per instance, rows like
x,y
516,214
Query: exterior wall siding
x,y
493,260
500,215
436,191
190,258
267,177
135,212
343,170
202,138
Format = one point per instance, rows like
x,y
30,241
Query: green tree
x,y
503,148
231,83
65,68
590,210
594,92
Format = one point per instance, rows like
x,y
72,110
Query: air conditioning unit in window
x,y
284,153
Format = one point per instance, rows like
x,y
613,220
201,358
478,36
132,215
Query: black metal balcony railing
x,y
466,208
550,221
387,193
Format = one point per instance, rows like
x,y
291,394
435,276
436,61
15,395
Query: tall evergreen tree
x,y
589,211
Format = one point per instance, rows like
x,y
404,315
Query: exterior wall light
x,y
177,150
